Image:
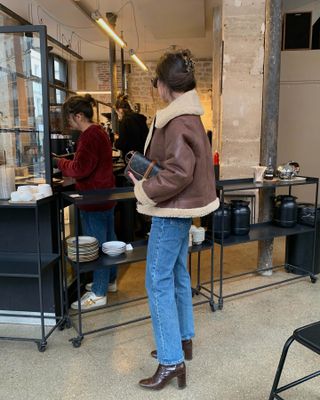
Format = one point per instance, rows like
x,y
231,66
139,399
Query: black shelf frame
x,y
130,257
38,262
261,231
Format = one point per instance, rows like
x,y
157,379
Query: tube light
x,y
96,16
137,60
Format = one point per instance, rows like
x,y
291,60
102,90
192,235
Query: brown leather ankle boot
x,y
186,347
164,374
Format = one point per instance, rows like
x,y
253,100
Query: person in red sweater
x,y
92,169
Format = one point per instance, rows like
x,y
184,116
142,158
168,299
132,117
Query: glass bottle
x,y
269,173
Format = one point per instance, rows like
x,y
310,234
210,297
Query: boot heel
x,y
187,348
188,354
182,382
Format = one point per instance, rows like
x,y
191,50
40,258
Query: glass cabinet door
x,y
24,103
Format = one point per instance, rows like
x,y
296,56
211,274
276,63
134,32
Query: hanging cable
x,y
92,43
134,19
59,22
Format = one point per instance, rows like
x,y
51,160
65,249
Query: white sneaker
x,y
112,288
266,272
90,300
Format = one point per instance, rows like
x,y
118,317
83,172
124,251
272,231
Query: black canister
x,y
240,217
225,216
285,211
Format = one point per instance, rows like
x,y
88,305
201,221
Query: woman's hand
x,y
54,162
133,178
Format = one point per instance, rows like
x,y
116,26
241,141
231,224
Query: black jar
x,y
240,217
285,211
224,215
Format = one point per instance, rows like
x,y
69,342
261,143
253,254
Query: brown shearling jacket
x,y
185,187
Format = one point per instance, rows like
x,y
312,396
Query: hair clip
x,y
189,63
154,82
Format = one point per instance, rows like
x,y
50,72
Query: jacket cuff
x,y
141,194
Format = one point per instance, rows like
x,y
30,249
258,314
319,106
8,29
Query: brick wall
x,y
140,89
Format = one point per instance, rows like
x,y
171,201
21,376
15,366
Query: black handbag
x,y
140,166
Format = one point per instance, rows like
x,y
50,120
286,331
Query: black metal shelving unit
x,y
19,262
260,232
130,257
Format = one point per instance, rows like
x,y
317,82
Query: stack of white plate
x,y
88,248
114,248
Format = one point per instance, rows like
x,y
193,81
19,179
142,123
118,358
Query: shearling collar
x,y
187,103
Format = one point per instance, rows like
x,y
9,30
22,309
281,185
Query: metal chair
x,y
308,336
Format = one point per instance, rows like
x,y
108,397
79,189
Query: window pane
x,y
60,70
60,96
21,104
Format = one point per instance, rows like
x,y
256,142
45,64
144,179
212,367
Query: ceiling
x,y
148,26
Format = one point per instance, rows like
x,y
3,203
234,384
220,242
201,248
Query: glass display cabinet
x,y
24,103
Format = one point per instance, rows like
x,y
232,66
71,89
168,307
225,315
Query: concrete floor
x,y
236,350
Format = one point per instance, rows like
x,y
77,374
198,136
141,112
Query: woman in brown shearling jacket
x,y
183,189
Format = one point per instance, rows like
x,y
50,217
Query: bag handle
x,y
149,169
129,155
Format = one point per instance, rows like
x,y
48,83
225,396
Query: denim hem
x,y
171,362
99,295
188,337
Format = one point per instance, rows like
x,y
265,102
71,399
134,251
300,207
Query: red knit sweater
x,y
92,164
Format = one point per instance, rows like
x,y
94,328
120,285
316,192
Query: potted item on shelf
x,y
240,217
285,211
225,216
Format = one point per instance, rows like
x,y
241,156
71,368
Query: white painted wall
x,y
299,117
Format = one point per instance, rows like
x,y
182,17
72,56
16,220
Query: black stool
x,y
308,336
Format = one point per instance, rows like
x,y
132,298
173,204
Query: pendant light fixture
x,y
137,60
96,16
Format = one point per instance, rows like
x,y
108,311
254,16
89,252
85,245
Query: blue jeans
x,y
168,287
100,224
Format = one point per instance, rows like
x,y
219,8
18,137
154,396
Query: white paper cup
x,y
198,235
258,173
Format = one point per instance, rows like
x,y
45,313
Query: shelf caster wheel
x,y
76,342
220,305
313,279
213,307
42,347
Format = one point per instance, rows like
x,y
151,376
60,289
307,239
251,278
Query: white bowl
x,y
113,253
114,245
